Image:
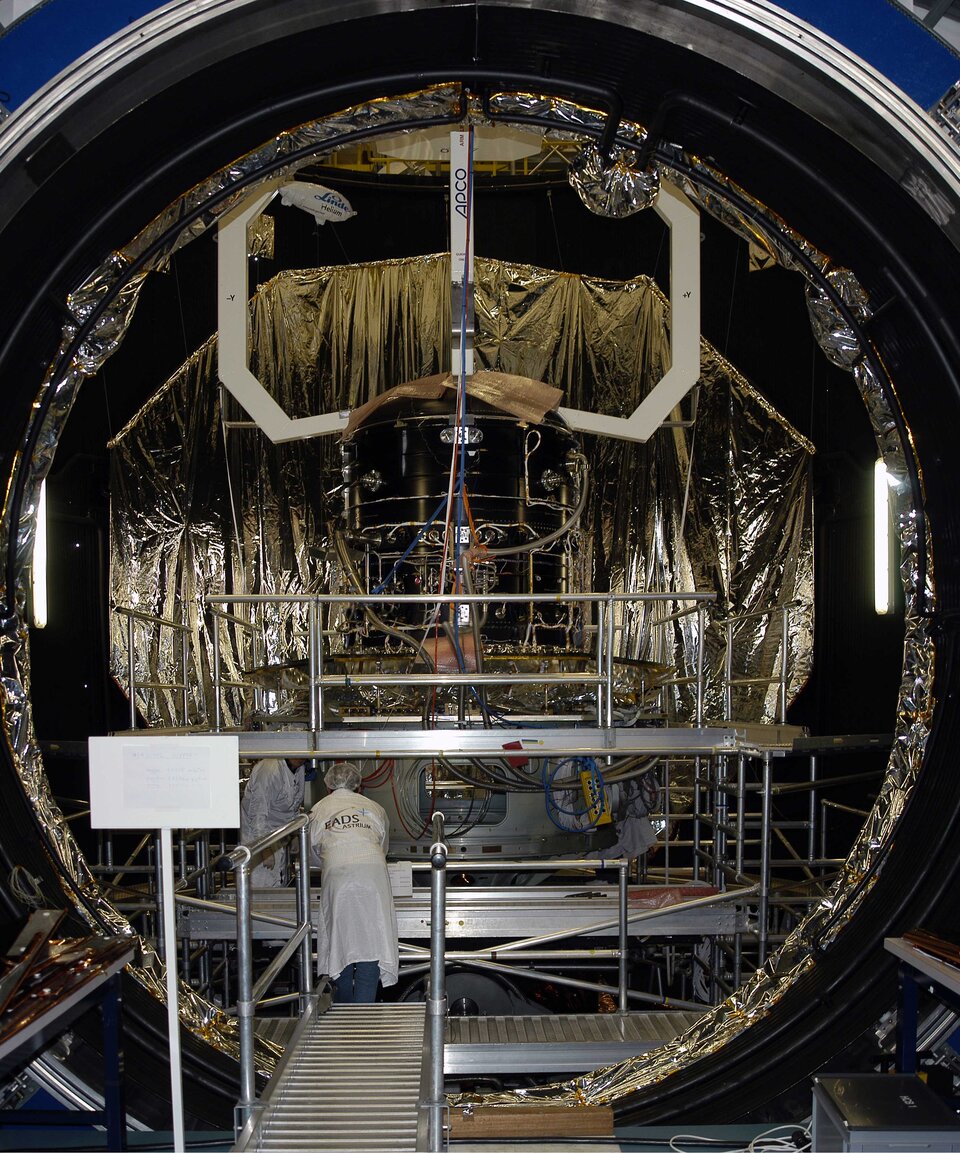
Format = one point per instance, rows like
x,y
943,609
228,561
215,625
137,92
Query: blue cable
x,y
549,799
413,544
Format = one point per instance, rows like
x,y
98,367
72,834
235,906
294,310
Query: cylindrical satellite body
x,y
502,484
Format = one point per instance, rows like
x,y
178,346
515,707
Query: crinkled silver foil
x,y
333,338
185,550
757,223
111,325
612,185
260,237
832,331
570,119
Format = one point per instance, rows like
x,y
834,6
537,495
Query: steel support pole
x,y
314,671
608,667
622,895
783,665
437,994
697,803
765,831
173,1000
131,673
741,810
303,914
701,642
158,883
720,823
245,1002
217,702
601,632
666,821
184,662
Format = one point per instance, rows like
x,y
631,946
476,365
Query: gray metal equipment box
x,y
881,1113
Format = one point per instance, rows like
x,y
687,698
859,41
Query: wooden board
x,y
530,1121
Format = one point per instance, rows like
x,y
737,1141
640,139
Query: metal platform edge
x,y
338,744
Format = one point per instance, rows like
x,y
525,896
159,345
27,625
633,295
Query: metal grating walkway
x,y
349,1082
556,1044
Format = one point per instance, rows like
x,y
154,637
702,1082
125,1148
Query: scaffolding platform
x,y
495,911
546,1043
352,1077
564,1043
353,743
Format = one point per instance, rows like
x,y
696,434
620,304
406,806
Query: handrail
x,y
150,618
449,598
134,615
730,681
603,660
521,949
437,992
249,994
218,681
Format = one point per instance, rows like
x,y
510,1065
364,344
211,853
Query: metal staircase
x,y
349,1080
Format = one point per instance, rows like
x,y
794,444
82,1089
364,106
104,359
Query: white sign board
x,y
164,782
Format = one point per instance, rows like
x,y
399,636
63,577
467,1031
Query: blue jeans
x,y
357,984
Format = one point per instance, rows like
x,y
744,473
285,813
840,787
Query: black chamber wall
x,y
197,104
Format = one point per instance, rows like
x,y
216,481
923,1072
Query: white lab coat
x,y
350,836
273,796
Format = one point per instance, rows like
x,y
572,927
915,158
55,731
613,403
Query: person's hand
x,y
268,861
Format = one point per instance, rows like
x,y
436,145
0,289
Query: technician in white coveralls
x,y
273,796
357,942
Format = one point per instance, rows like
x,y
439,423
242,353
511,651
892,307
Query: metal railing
x,y
435,1104
600,678
527,949
738,829
607,630
781,679
133,616
231,621
250,994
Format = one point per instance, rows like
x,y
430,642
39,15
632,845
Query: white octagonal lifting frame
x,y
683,222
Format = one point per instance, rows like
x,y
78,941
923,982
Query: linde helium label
x,y
333,203
322,203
